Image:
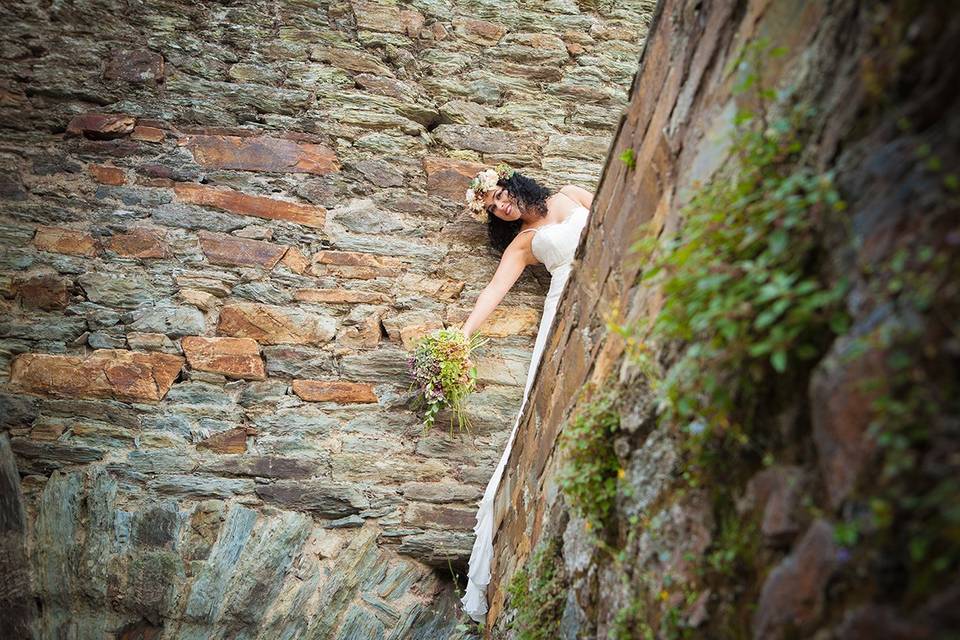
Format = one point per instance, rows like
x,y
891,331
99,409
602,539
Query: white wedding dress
x,y
553,245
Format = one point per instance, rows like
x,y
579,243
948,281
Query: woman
x,y
530,225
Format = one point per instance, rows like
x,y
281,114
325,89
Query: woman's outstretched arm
x,y
515,258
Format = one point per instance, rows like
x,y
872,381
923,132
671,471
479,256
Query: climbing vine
x,y
591,471
746,310
537,593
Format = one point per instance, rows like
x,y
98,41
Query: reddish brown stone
x,y
340,296
413,22
247,205
363,335
333,391
439,31
261,153
410,335
375,17
155,182
350,59
68,241
147,134
433,286
232,251
107,373
449,178
231,441
776,492
793,593
108,175
200,299
233,357
349,264
138,243
100,126
294,260
440,517
275,325
385,86
504,321
48,292
479,31
842,410
137,65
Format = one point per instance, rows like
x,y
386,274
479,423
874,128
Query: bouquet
x,y
444,374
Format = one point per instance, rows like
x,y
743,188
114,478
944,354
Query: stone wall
x,y
818,554
222,226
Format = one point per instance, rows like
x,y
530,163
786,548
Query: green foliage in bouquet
x,y
444,374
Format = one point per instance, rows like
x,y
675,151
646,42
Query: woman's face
x,y
500,203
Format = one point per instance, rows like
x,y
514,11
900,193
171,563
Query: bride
x,y
529,225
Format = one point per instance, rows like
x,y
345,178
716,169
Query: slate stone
x,y
157,526
100,340
58,521
321,497
386,364
191,217
301,422
436,548
121,291
17,410
350,522
350,569
41,327
263,292
267,391
359,624
207,593
16,601
154,462
191,486
440,492
263,467
266,558
46,457
172,321
97,316
174,424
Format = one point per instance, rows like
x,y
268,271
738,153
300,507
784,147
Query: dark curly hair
x,y
530,194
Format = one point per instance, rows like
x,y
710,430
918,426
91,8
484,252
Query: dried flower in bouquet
x,y
444,374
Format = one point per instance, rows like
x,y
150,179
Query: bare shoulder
x,y
522,247
577,194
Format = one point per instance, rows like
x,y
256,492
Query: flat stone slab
x,y
250,205
275,325
107,373
237,358
334,391
261,153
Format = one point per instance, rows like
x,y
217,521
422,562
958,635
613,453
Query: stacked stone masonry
x,y
883,79
223,226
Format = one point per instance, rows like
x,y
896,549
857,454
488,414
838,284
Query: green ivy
x,y
746,310
738,285
591,472
538,592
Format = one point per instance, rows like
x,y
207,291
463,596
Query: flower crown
x,y
483,182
